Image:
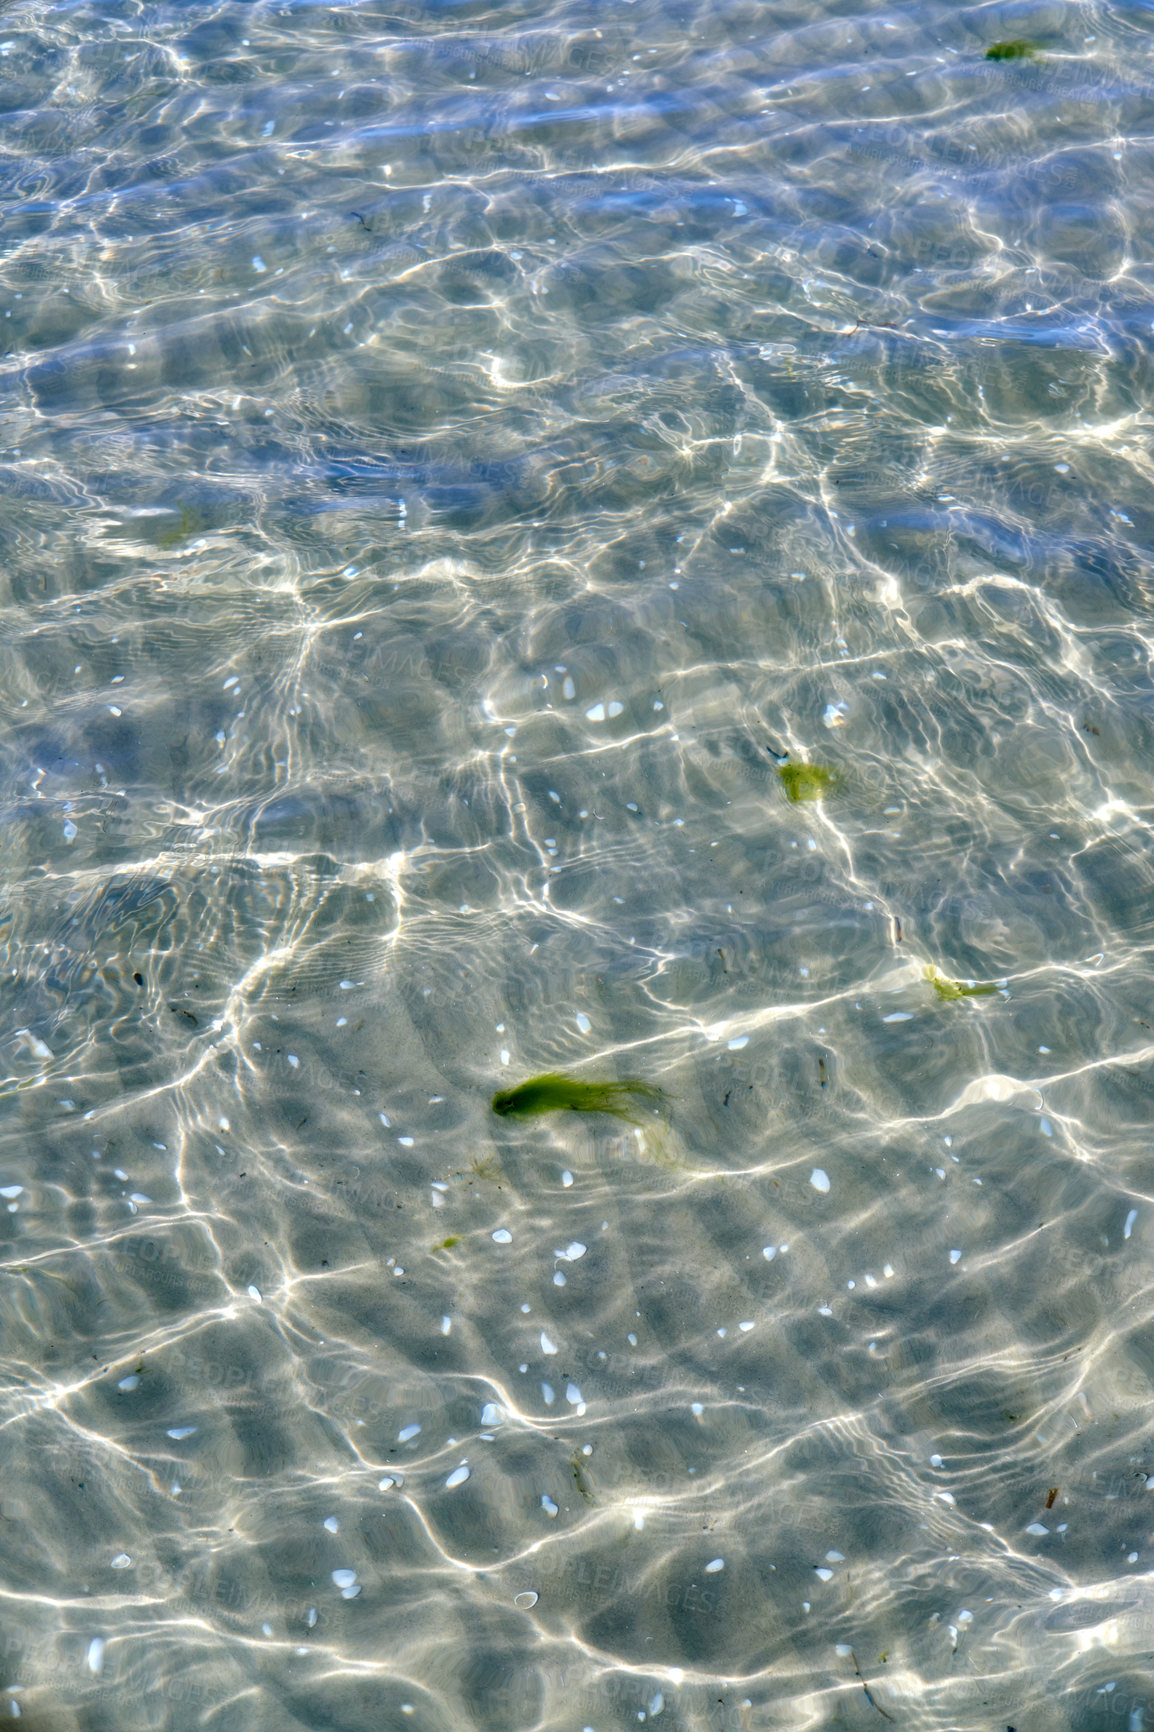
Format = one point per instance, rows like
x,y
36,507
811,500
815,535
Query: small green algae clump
x,y
554,1093
807,781
953,989
1019,49
579,1478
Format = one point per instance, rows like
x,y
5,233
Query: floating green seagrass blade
x,y
1018,49
554,1093
951,989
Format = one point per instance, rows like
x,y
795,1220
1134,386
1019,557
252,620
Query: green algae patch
x,y
190,524
807,781
1018,49
447,1244
554,1093
579,1478
949,990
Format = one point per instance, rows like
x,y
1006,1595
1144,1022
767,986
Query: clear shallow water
x,y
450,457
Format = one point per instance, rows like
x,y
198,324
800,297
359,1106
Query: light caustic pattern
x,y
603,541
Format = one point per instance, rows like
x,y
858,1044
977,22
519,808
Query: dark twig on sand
x,y
869,1698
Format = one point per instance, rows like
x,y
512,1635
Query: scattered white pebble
x,y
258,264
121,1561
458,1477
96,1654
129,1382
344,1578
1130,1220
548,1505
1037,1528
255,1293
408,1432
525,1599
179,1432
568,689
614,707
819,1179
566,1178
502,1236
954,1256
583,1022
390,1481
596,714
332,1524
899,1016
835,715
546,1345
736,1044
714,1565
572,1251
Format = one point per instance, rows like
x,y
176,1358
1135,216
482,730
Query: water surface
x,y
453,458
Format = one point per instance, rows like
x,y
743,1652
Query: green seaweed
x,y
579,1479
1018,49
807,781
447,1244
486,1167
189,523
554,1093
949,990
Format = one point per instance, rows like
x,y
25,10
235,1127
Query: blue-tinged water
x,y
610,539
